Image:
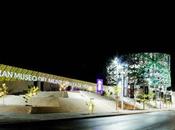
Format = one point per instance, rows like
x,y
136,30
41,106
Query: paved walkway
x,y
11,118
76,102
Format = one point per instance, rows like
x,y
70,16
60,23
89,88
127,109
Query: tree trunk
x,y
143,105
134,103
116,102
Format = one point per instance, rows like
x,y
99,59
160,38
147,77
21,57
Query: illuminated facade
x,y
148,71
18,79
151,69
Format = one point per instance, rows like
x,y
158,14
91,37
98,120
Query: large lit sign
x,y
10,73
99,85
27,77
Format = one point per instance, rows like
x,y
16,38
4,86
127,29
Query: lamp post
x,y
122,93
121,69
124,82
121,83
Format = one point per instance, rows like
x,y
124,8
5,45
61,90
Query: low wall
x,y
15,109
45,99
173,97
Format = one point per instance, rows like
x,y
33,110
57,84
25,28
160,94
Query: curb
x,y
50,121
110,115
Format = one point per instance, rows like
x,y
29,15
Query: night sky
x,y
81,48
84,61
79,44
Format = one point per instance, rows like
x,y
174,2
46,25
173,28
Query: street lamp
x,y
121,81
124,82
122,93
121,76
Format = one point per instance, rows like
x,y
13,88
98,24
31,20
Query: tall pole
x,y
122,91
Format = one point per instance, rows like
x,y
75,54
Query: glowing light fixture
x,y
99,85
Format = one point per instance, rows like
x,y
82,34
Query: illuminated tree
x,y
117,91
157,69
114,71
115,77
32,91
135,69
3,91
150,70
153,68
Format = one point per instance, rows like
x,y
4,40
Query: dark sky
x,y
80,62
84,61
78,48
79,44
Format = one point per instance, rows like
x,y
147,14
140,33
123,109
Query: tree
x,y
152,67
135,98
91,105
152,97
143,69
136,70
144,98
3,91
117,91
157,68
32,91
113,71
